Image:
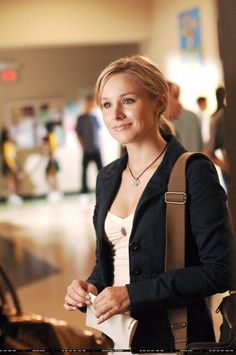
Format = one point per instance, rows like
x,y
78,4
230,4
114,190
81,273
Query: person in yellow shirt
x,y
52,168
10,168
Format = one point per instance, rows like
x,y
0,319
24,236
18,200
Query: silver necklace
x,y
136,179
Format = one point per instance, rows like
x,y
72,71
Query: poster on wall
x,y
29,120
190,34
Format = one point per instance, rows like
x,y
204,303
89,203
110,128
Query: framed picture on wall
x,y
190,34
28,120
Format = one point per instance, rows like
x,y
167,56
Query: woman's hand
x,y
78,295
111,301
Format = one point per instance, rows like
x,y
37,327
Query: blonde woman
x,y
129,217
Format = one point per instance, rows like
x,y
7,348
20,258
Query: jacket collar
x,y
158,182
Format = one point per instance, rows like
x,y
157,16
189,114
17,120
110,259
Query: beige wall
x,y
67,73
163,47
70,22
57,72
62,45
153,23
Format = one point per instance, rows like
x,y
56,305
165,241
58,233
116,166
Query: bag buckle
x,y
178,198
178,325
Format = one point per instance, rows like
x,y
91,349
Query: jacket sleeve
x,y
95,276
209,225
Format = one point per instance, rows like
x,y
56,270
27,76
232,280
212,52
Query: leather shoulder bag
x,y
175,199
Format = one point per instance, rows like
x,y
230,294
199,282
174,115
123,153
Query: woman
x,y
129,217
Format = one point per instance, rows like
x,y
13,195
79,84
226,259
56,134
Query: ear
x,y
161,103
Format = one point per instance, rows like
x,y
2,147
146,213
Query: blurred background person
x,y
186,123
203,117
174,109
11,170
215,147
52,168
87,128
220,100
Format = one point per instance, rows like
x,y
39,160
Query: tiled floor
x,y
45,246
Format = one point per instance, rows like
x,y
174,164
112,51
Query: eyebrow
x,y
122,95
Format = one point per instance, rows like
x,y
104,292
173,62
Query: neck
x,y
139,155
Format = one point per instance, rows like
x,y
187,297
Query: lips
x,y
121,127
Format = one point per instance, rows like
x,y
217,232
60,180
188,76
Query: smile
x,y
122,127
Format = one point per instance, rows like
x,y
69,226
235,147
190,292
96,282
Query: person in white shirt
x,y
204,119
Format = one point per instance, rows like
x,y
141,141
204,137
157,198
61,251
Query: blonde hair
x,y
147,74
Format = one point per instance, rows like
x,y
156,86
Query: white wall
x,y
163,47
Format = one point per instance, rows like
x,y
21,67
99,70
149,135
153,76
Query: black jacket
x,y
152,290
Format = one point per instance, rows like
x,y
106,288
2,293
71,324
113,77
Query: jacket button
x,y
136,272
134,246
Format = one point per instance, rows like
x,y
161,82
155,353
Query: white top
x,y
118,231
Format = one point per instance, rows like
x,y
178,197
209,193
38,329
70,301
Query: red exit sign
x,y
8,75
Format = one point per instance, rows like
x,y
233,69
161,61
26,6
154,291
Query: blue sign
x,y
190,34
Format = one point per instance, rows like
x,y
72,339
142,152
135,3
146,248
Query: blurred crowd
x,y
198,132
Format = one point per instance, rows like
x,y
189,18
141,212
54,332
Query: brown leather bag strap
x,y
175,199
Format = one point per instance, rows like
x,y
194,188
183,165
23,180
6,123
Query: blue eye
x,y
128,101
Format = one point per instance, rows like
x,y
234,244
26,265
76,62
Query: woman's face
x,y
129,113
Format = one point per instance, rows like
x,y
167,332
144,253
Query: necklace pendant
x,y
135,182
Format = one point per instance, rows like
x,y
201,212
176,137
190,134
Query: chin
x,y
121,139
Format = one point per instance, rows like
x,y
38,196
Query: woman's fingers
x,y
69,307
75,302
78,294
111,301
105,316
93,289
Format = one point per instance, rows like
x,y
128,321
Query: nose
x,y
118,113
